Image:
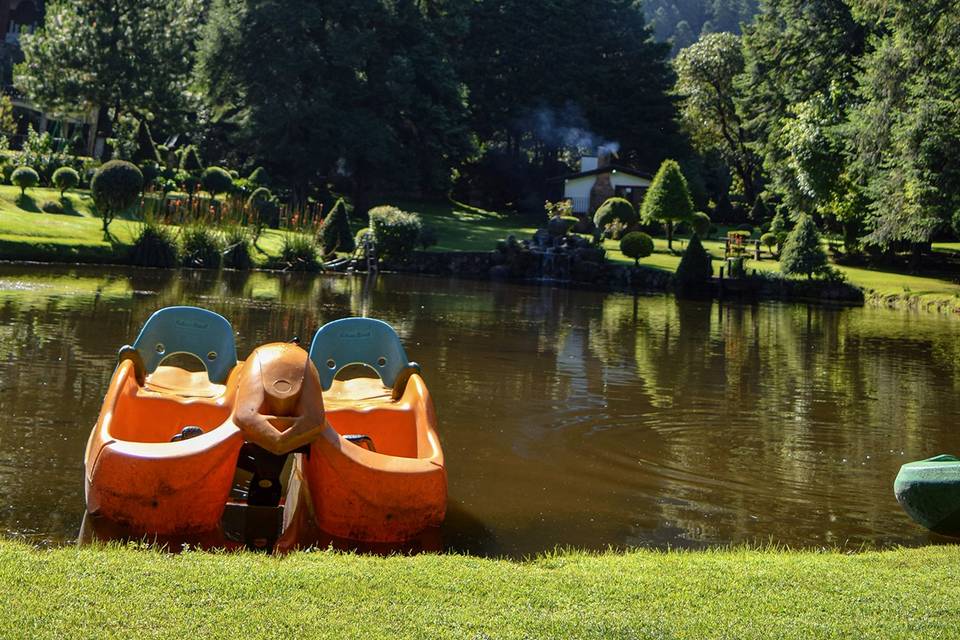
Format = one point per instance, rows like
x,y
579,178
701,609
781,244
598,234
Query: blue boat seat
x,y
175,330
364,341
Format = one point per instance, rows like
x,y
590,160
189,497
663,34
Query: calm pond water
x,y
568,418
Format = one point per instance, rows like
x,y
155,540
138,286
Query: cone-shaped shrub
x,y
802,253
335,232
190,160
759,212
668,199
146,149
695,265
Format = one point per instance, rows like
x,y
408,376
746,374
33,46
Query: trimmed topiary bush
x,y
748,228
395,232
65,178
615,209
695,266
363,233
150,171
154,246
701,223
115,188
25,178
759,211
237,253
190,161
803,254
779,224
259,177
335,231
216,180
201,247
668,199
146,148
264,210
636,245
769,240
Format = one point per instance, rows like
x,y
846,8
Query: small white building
x,y
598,179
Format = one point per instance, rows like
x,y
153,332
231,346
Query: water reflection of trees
x,y
653,417
784,419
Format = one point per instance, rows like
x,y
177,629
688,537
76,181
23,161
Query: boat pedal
x,y
188,432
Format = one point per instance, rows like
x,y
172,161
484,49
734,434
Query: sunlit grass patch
x,y
740,593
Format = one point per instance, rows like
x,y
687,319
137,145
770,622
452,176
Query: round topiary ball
x,y
769,240
636,245
701,224
116,186
216,180
65,178
615,209
25,178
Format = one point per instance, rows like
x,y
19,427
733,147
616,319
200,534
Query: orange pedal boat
x,y
252,450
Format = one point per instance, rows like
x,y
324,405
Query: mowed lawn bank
x,y
98,592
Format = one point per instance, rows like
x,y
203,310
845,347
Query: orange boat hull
x,y
137,478
389,495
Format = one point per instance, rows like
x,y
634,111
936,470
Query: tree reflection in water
x,y
567,417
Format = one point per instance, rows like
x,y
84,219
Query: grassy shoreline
x,y
88,592
31,236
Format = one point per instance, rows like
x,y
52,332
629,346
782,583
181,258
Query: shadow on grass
x,y
68,207
27,203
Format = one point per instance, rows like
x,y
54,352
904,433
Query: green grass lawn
x,y
461,227
882,286
27,233
123,592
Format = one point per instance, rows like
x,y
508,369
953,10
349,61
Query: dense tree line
x,y
846,110
683,22
412,96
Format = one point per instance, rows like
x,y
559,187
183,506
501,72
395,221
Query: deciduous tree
x,y
668,199
118,56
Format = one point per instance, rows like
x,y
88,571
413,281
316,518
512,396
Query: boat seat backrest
x,y
204,334
364,341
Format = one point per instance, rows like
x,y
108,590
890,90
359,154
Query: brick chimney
x,y
604,157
